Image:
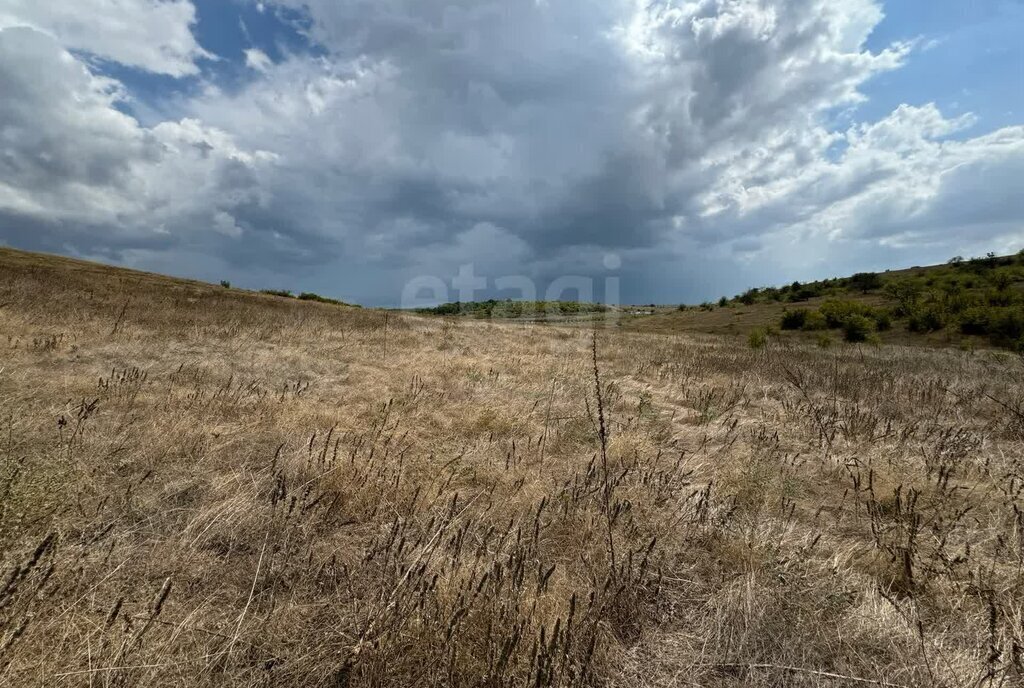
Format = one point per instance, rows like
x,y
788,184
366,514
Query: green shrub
x,y
883,321
837,312
996,297
225,284
803,292
310,296
975,320
957,299
824,340
1002,278
865,281
926,319
284,293
1006,325
815,321
749,297
795,319
906,293
723,302
757,338
857,328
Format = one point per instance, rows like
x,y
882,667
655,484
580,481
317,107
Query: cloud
x,y
529,138
154,35
897,180
76,169
257,59
564,125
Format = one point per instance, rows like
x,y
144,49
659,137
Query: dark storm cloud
x,y
528,138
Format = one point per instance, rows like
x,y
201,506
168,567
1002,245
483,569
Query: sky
x,y
379,151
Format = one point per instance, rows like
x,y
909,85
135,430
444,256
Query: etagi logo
x,y
426,291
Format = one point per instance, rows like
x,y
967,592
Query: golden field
x,y
208,487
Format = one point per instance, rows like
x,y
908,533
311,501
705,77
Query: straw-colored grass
x,y
206,487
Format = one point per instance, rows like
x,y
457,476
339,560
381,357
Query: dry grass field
x,y
208,487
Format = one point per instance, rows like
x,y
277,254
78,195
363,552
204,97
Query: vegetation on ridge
x,y
975,302
507,308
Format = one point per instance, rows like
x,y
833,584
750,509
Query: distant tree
x,y
906,292
225,284
956,261
928,318
865,281
795,319
857,328
1001,279
723,302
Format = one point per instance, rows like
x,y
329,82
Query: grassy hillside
x,y
209,487
977,302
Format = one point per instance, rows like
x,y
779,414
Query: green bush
x,y
905,292
824,340
283,293
225,284
857,328
997,297
749,297
795,319
883,321
310,296
975,320
815,321
1002,278
803,292
837,312
926,319
1006,325
758,338
865,281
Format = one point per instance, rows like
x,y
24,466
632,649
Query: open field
x,y
207,487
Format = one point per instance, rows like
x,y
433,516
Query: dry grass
x,y
200,486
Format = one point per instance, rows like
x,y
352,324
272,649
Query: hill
x,y
213,487
976,302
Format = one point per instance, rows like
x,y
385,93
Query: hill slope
x,y
978,302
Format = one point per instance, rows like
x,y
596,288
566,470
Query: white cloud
x,y
257,59
898,179
154,35
72,162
